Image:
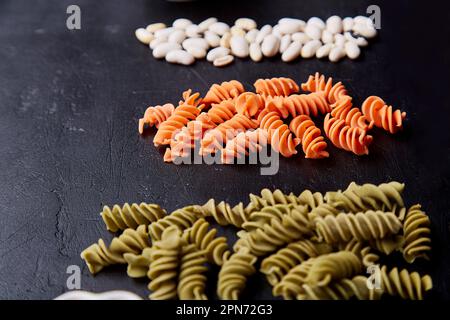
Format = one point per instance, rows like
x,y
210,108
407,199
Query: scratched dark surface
x,y
70,101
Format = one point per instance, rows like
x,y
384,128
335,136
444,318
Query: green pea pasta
x,y
192,278
416,233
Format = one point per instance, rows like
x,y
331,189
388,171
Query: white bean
x,y
143,35
225,40
293,20
289,26
237,31
317,22
361,42
334,24
310,48
363,20
223,61
285,42
239,46
197,52
245,23
313,31
205,24
352,50
292,52
255,52
163,49
336,54
155,27
181,23
300,36
276,31
216,53
265,30
195,42
180,57
270,45
212,38
193,31
177,36
327,36
251,35
364,30
339,40
219,27
324,50
347,24
164,33
155,42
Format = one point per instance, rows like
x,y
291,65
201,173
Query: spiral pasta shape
x,y
313,143
192,278
257,219
219,112
362,250
312,200
311,104
271,198
249,104
214,140
164,265
131,216
215,248
319,83
343,136
98,255
280,137
382,115
407,285
182,218
416,232
224,91
343,109
138,264
153,116
322,211
244,144
292,283
224,214
276,87
277,265
234,273
361,226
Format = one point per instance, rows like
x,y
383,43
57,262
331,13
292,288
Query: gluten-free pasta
x,y
276,86
382,115
416,232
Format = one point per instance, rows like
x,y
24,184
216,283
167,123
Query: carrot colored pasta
x,y
318,82
224,91
276,86
249,104
383,116
311,104
153,116
343,109
313,143
219,112
280,137
343,136
244,144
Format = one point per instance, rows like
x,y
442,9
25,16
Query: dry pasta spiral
x,y
244,144
313,143
131,216
343,136
249,104
219,112
361,226
257,219
278,264
321,211
276,87
164,265
98,255
153,116
343,109
192,278
292,283
362,250
311,104
310,199
280,137
224,214
407,285
224,91
233,274
416,232
215,248
382,115
319,83
138,264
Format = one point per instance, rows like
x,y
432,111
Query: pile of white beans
x,y
184,41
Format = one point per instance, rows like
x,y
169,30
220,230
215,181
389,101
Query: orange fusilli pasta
x,y
249,104
276,86
243,144
219,112
297,104
313,143
318,82
224,91
343,109
383,116
153,116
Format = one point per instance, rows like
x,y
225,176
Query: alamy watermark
x,y
73,21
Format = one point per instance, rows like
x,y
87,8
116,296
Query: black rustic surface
x,y
70,101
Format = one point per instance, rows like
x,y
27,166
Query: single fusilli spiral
x,y
153,116
407,285
257,219
416,232
280,137
192,278
224,214
164,265
343,109
215,248
234,273
131,216
310,199
362,250
361,226
249,104
343,136
311,104
313,143
244,144
382,115
278,264
322,211
276,87
224,91
319,83
98,255
292,283
138,264
271,198
219,112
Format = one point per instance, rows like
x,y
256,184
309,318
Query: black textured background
x,y
70,101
